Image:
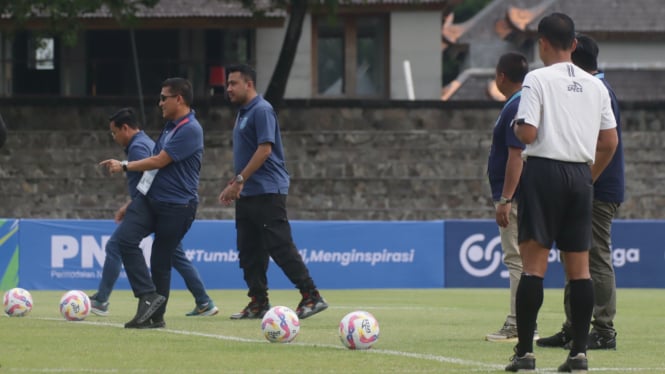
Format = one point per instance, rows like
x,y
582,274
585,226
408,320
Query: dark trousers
x,y
113,266
263,232
169,222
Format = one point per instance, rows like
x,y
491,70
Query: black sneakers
x,y
563,340
577,364
152,323
558,340
148,305
311,303
524,363
597,341
256,309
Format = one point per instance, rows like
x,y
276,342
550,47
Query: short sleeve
x,y
265,125
187,140
531,102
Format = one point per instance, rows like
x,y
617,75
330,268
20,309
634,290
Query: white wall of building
x,y
631,54
268,45
416,36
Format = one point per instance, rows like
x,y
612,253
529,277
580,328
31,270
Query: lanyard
x,y
169,135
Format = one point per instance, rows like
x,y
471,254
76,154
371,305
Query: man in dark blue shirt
x,y
138,145
608,191
166,205
504,168
260,188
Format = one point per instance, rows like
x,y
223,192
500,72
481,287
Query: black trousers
x,y
263,232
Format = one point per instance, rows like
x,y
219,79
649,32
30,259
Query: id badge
x,y
146,181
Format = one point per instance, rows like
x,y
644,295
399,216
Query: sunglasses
x,y
164,97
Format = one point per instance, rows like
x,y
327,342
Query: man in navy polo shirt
x,y
138,145
608,194
504,167
260,188
166,205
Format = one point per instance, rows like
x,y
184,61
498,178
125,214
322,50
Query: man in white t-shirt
x,y
566,121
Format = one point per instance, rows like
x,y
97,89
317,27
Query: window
x,y
35,66
41,53
350,55
225,47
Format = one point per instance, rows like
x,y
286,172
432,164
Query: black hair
x,y
585,54
247,72
182,87
514,66
558,29
124,116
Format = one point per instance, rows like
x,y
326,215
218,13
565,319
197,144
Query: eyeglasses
x,y
164,97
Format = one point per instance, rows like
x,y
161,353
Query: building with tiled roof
x,y
629,33
369,49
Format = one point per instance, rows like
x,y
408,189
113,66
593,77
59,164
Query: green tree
x,y
62,16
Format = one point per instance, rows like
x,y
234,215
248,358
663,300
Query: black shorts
x,y
555,204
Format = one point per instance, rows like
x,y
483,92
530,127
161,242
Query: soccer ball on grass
x,y
280,325
17,302
75,305
359,330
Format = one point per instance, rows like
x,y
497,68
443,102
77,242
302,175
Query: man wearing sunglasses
x,y
166,204
125,131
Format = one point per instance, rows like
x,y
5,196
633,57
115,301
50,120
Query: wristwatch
x,y
240,179
124,165
505,200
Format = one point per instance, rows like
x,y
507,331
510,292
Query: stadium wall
x,y
69,254
349,160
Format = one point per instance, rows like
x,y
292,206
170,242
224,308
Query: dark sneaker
x,y
525,363
577,364
152,323
148,305
558,340
597,341
97,307
256,309
204,310
311,303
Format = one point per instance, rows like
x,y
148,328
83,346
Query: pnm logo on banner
x,y
479,261
87,249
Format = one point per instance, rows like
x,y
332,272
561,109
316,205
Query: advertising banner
x,y
638,253
9,253
474,255
69,254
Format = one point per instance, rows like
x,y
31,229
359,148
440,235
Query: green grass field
x,y
422,331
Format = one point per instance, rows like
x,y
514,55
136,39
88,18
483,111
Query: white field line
x,y
478,366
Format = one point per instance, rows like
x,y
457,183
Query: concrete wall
x,y
348,160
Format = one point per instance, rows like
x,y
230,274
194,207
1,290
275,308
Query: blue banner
x,y
69,254
638,253
474,255
9,253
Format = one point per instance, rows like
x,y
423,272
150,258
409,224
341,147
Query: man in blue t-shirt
x,y
138,145
166,205
608,194
260,187
504,168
